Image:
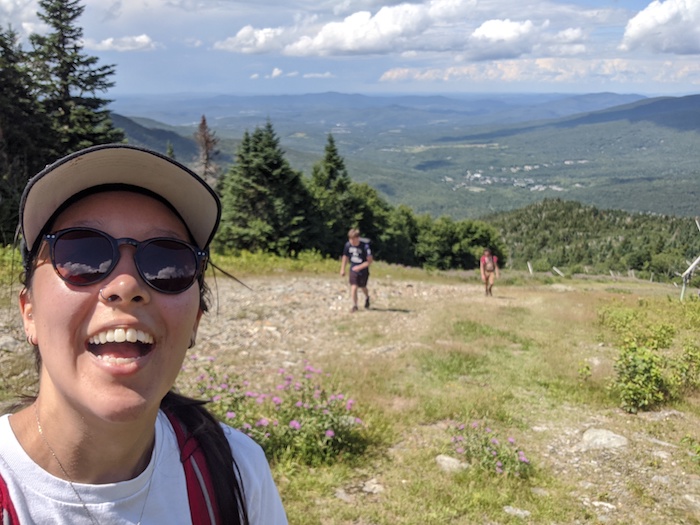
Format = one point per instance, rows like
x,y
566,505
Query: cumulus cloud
x,y
503,30
503,39
127,43
410,29
363,32
672,26
250,40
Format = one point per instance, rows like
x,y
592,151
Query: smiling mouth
x,y
121,345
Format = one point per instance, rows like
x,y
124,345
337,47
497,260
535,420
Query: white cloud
x,y
127,43
672,26
250,40
363,32
327,74
555,71
503,39
503,31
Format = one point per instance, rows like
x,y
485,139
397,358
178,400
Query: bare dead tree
x,y
207,143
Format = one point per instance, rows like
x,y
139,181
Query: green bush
x,y
640,380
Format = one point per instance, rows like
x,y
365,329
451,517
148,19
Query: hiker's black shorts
x,y
359,279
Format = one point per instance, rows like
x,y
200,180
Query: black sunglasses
x,y
84,256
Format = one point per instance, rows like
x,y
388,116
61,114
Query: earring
x,y
32,340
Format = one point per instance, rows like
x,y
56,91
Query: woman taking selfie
x,y
115,245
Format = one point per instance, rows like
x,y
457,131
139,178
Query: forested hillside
x,y
449,157
579,238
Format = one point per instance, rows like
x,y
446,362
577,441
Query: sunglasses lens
x,y
168,265
82,257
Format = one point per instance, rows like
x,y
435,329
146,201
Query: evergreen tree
x,y
399,239
207,142
370,214
25,132
68,80
333,201
265,203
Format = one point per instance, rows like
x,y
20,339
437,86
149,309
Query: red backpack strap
x,y
8,515
200,490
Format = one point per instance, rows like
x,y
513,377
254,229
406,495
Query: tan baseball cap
x,y
114,166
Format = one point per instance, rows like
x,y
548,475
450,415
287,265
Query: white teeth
x,y
118,360
121,335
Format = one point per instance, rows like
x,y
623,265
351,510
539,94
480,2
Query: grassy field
x,y
534,365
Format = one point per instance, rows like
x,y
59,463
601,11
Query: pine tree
x,y
68,80
25,132
206,143
334,203
265,204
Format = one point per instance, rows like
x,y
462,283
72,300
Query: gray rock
x,y
372,486
598,438
450,464
520,513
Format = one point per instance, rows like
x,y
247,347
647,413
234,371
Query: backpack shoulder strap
x,y
8,515
200,490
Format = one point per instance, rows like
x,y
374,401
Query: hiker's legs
x,y
353,294
489,283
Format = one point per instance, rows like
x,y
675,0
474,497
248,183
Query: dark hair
x,y
198,421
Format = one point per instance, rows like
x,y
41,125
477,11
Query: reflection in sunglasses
x,y
84,256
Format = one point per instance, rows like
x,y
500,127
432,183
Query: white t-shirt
x,y
40,498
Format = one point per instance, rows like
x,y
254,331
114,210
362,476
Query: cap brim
x,y
190,196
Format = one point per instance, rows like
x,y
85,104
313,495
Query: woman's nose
x,y
124,284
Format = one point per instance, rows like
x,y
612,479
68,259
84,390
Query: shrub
x,y
484,449
639,379
300,421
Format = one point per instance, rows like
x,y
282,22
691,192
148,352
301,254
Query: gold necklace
x,y
93,520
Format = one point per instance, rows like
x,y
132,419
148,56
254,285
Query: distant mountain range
x,y
465,156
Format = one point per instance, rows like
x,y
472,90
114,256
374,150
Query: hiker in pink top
x,y
114,244
488,265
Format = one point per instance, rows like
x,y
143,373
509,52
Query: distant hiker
x,y
359,254
489,270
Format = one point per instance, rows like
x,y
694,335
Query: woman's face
x,y
114,381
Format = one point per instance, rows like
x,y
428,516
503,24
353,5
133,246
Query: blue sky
x,y
371,46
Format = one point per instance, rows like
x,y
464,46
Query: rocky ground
x,y
619,470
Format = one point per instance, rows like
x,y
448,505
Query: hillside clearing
x,y
434,353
